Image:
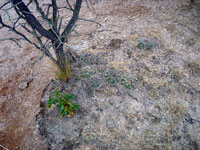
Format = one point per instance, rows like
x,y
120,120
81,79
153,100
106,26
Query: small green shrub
x,y
94,82
145,44
128,83
112,77
63,101
85,74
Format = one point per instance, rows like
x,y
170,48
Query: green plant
x,y
112,77
63,101
145,44
128,83
85,74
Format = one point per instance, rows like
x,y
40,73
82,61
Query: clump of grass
x,y
177,75
194,67
60,74
176,112
145,44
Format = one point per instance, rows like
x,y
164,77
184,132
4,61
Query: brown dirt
x,y
20,96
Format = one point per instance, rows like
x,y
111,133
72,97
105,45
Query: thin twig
x,y
12,6
65,8
89,5
42,47
41,12
73,20
90,21
4,147
47,9
14,40
37,60
4,5
69,5
60,25
14,30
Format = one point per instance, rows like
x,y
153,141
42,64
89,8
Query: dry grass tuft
x,y
59,73
194,67
176,111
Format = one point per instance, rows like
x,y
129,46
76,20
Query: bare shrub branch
x,y
45,29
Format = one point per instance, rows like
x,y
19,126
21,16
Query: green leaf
x,y
62,101
77,107
57,92
49,105
73,107
66,96
51,94
64,113
73,96
66,109
59,105
70,104
53,101
49,101
62,109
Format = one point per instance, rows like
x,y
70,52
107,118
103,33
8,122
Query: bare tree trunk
x,y
60,55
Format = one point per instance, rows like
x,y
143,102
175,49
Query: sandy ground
x,y
172,26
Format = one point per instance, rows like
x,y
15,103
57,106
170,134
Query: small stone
x,y
99,109
106,19
171,27
23,85
94,47
115,43
155,60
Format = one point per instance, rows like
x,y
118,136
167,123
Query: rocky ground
x,y
136,79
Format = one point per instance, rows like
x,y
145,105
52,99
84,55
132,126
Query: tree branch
x,y
14,30
3,147
70,7
43,47
90,21
54,19
89,6
41,12
14,40
60,25
73,20
31,20
4,5
48,10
